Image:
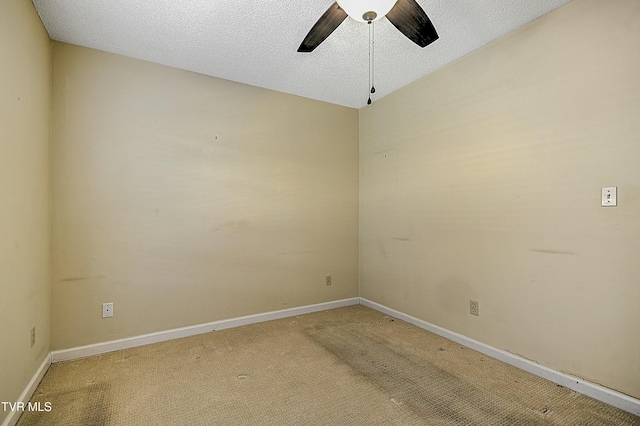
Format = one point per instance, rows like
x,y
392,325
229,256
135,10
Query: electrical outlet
x,y
327,280
107,310
474,307
33,336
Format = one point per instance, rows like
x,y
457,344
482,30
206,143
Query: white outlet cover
x,y
107,310
609,196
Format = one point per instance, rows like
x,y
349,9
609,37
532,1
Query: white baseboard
x,y
601,393
176,333
25,397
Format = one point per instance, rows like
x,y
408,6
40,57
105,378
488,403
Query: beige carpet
x,y
348,366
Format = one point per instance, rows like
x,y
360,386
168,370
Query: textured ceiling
x,y
255,41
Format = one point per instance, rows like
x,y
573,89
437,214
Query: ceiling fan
x,y
406,15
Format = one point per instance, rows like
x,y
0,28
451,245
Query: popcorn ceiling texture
x,y
255,42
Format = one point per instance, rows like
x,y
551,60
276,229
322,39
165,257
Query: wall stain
x,y
235,225
294,252
99,277
569,253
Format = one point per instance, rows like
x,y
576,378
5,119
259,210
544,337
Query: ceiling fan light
x,y
357,8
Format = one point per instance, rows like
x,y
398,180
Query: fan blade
x,y
328,22
408,17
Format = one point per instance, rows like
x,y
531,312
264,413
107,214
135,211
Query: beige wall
x,y
186,199
482,181
25,98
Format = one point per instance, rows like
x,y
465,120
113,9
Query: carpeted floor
x,y
347,366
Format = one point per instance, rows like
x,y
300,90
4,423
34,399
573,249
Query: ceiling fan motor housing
x,y
366,10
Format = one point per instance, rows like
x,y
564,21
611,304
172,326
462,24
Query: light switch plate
x,y
609,196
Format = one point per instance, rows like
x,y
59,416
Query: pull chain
x,y
371,58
